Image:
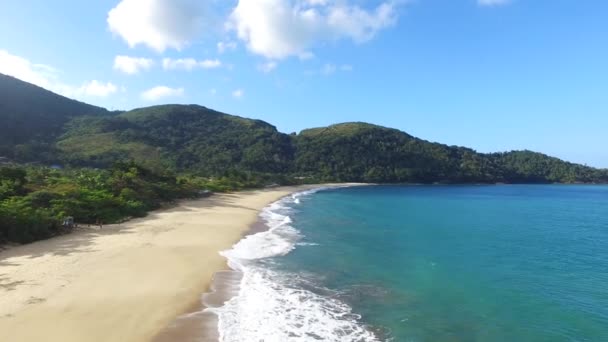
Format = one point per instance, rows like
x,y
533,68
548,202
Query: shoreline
x,y
126,282
199,324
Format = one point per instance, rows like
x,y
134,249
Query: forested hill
x,y
41,126
371,153
33,117
180,138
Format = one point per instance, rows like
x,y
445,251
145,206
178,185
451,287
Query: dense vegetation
x,y
206,142
179,138
115,165
369,153
32,118
44,127
34,201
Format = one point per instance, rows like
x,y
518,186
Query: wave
x,y
273,305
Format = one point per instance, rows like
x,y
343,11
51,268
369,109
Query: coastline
x,y
200,323
125,282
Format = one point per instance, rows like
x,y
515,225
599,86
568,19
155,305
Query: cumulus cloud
x,y
21,68
210,63
96,88
132,65
238,93
160,92
190,64
273,28
492,2
278,29
47,77
159,24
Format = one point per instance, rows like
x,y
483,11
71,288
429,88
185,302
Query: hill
x,y
180,138
365,152
32,118
45,127
370,153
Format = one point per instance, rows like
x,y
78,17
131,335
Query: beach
x,y
123,282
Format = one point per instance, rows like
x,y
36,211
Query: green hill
x,y
364,152
32,118
45,127
178,137
370,153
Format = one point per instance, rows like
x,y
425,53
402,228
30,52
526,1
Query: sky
x,y
493,75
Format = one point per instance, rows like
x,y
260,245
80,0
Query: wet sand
x,y
198,325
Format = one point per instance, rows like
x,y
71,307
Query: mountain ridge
x,y
197,139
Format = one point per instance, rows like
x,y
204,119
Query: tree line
x,y
35,200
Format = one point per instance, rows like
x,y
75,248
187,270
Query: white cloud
x,y
225,46
47,77
159,24
281,28
238,93
267,67
492,2
160,92
96,88
190,64
21,68
210,63
273,28
132,65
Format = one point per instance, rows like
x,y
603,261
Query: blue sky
x,y
493,75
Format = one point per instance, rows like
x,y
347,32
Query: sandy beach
x,y
124,282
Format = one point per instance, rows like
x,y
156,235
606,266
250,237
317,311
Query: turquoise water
x,y
458,263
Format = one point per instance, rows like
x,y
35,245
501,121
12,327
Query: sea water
x,y
425,263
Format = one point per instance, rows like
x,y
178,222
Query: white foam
x,y
270,306
278,240
268,309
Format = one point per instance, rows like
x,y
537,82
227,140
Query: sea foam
x,y
273,305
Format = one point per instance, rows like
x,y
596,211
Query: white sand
x,y
124,282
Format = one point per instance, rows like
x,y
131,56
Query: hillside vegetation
x,y
114,165
48,128
32,118
198,140
370,153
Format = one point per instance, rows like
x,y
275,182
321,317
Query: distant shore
x,y
124,282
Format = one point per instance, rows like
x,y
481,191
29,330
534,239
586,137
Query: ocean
x,y
424,263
